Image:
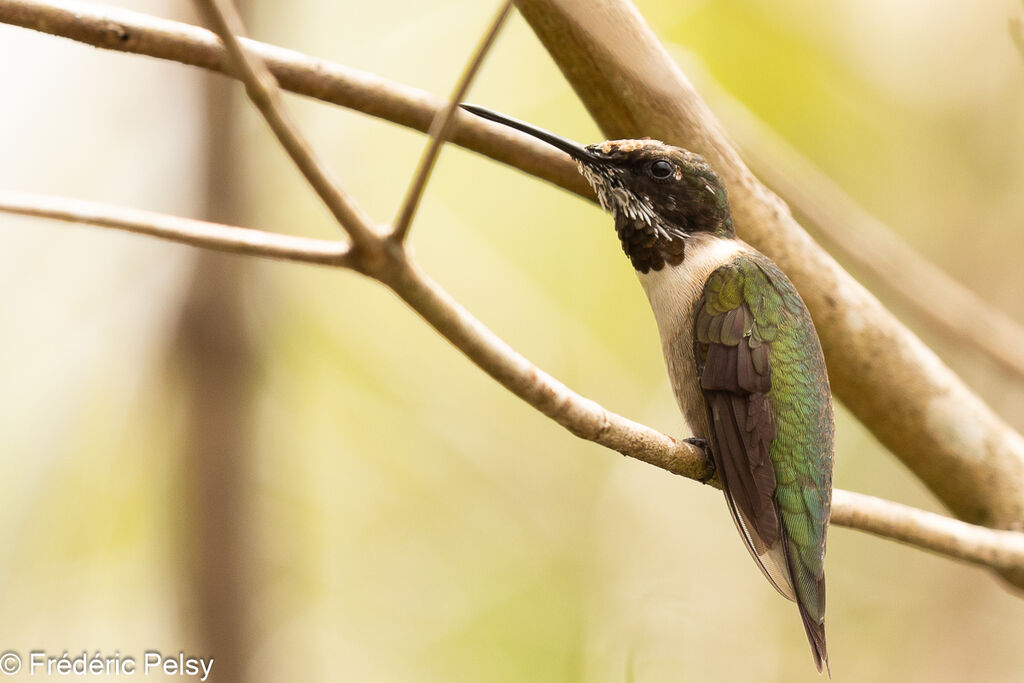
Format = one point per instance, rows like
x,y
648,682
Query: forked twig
x,y
264,92
442,126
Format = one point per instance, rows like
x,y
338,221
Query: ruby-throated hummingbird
x,y
743,358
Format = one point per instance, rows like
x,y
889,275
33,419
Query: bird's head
x,y
661,195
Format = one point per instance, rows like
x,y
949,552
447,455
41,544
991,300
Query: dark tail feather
x,y
816,636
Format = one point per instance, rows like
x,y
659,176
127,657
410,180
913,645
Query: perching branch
x,y
578,414
1001,550
444,122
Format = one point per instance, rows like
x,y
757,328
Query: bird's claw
x,y
709,461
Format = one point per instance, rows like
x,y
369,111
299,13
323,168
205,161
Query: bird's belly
x,y
674,292
682,373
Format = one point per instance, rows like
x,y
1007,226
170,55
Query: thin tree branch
x,y
227,238
263,90
125,31
443,124
994,548
1002,550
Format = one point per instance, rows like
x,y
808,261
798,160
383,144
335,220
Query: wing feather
x,y
780,506
735,377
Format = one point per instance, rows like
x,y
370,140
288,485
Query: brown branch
x,y
113,28
227,238
263,90
444,121
998,549
581,416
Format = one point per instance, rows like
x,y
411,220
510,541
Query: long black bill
x,y
573,149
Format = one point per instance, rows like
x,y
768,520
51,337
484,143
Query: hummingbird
x,y
743,358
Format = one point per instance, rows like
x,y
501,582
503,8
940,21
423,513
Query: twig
x,y
442,126
227,238
113,28
581,416
265,94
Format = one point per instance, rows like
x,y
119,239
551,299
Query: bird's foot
x,y
709,462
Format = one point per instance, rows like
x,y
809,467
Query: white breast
x,y
673,291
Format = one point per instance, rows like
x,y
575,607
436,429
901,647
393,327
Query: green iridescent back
x,y
764,381
803,446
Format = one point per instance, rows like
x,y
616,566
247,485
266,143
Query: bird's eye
x,y
662,169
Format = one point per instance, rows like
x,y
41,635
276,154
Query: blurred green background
x,y
282,467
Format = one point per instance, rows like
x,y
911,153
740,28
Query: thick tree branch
x,y
914,404
937,299
1002,550
444,122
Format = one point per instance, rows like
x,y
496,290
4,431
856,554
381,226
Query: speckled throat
x,y
647,240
